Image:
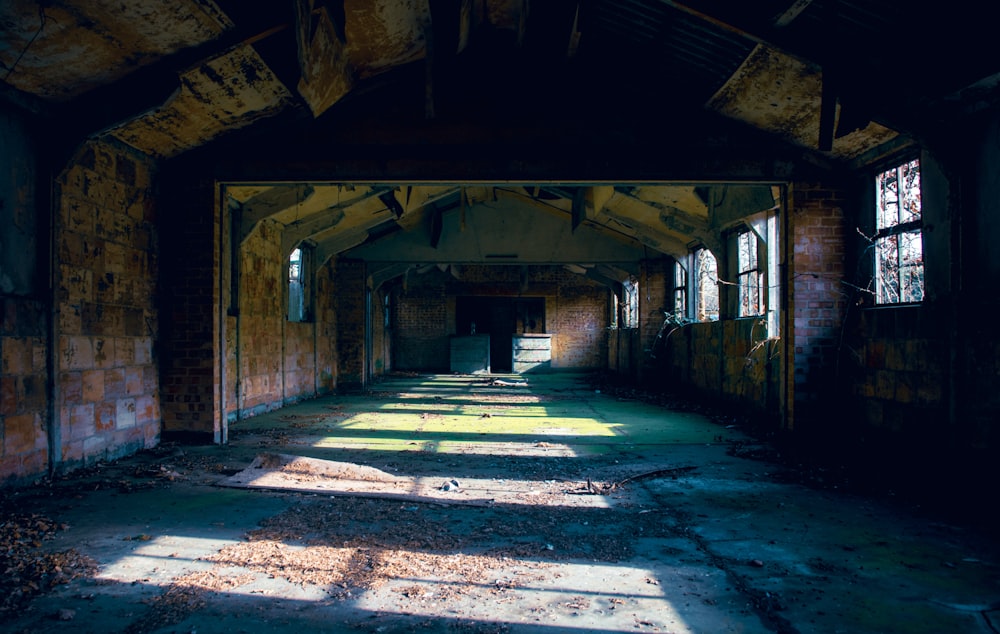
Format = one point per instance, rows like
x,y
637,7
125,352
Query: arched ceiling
x,y
397,227
623,120
840,77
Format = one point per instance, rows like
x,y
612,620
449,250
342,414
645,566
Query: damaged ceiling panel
x,y
682,198
327,74
229,63
780,94
382,35
228,93
60,49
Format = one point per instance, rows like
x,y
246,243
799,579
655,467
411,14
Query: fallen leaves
x,y
26,570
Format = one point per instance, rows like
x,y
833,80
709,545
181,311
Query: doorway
x,y
500,318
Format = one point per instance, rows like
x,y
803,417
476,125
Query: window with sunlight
x,y
898,243
298,287
680,291
750,277
706,289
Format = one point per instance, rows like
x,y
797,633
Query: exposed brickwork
x,y
424,319
326,324
381,336
262,319
817,272
655,284
420,340
349,285
278,361
189,303
108,395
579,325
23,389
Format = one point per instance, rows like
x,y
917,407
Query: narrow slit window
x,y
630,303
298,288
680,291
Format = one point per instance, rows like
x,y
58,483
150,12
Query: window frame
x,y
680,291
630,303
303,278
697,287
893,234
750,274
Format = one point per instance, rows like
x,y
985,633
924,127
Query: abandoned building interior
x,y
211,210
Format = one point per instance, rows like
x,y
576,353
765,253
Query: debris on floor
x,y
27,570
287,472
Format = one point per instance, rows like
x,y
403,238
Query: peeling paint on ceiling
x,y
64,48
59,54
384,35
228,93
781,94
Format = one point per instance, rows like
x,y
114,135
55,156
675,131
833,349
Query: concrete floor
x,y
708,535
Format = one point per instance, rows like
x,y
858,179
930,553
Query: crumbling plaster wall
x,y
107,377
731,361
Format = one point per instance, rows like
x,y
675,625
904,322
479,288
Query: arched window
x,y
706,286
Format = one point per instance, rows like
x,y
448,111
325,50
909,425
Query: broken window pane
x,y
899,261
750,278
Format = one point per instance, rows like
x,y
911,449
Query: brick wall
x,y
108,401
629,350
424,313
278,362
656,281
326,324
24,412
421,325
262,320
381,336
817,270
579,325
349,284
189,298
